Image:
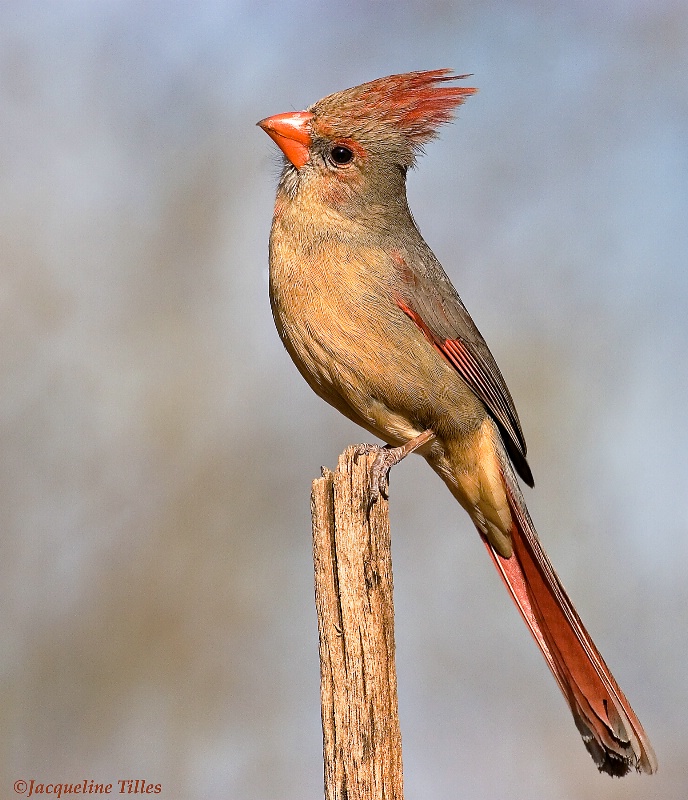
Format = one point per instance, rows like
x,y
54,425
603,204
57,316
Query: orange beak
x,y
291,133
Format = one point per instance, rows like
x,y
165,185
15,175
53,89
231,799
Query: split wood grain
x,y
354,602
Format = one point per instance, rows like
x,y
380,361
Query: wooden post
x,y
353,596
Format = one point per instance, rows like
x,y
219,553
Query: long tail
x,y
610,729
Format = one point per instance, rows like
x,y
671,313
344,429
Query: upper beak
x,y
291,132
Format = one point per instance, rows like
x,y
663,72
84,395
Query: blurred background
x,y
158,446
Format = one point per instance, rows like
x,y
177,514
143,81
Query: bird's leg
x,y
386,457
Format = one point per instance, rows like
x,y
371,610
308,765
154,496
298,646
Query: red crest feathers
x,y
414,103
418,102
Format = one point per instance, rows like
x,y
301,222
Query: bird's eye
x,y
340,155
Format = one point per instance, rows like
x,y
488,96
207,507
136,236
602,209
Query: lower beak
x,y
291,133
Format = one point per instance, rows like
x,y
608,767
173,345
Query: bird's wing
x,y
428,298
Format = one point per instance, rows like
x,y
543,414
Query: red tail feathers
x,y
610,729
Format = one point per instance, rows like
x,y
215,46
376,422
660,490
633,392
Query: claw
x,y
385,458
379,474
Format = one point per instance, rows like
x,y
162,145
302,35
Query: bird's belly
x,y
369,361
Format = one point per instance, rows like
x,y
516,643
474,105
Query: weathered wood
x,y
353,595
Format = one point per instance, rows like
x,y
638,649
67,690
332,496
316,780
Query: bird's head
x,y
356,145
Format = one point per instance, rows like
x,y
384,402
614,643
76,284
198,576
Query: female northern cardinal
x,y
374,325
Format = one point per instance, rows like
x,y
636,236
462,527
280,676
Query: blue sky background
x,y
158,445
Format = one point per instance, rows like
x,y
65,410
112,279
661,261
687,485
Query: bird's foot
x,y
385,458
379,473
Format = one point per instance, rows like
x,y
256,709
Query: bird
x,y
375,326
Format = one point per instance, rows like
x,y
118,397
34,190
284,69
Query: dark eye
x,y
341,155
